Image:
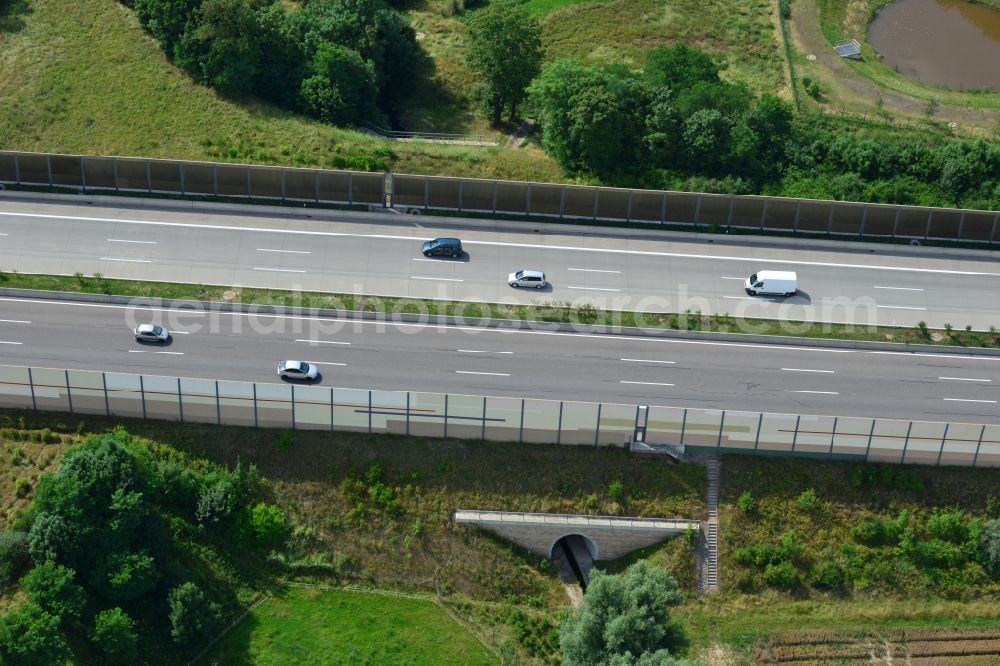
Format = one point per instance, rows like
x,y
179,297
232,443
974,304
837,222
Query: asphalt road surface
x,y
383,257
609,368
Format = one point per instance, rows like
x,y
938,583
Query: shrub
x,y
268,524
808,501
13,556
114,636
829,575
193,616
22,487
590,503
888,478
948,526
922,330
745,502
616,491
811,85
989,546
782,576
538,635
30,637
52,587
286,438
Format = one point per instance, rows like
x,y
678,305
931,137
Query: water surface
x,y
947,43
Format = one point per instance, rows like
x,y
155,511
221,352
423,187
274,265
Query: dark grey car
x,y
443,247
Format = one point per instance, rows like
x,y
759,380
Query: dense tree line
x,y
97,553
338,60
676,124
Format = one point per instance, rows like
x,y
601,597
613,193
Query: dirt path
x,y
856,93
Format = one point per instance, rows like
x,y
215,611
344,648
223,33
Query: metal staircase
x,y
710,570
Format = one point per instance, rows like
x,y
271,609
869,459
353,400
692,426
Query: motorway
x,y
531,364
605,267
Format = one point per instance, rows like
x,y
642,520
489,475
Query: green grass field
x,y
298,627
483,578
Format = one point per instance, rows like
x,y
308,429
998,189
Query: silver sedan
x,y
297,370
151,333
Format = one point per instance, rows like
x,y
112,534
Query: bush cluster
x,y
103,534
342,61
945,551
678,125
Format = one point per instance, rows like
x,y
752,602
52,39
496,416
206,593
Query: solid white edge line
x,y
646,360
624,381
830,372
280,270
592,270
898,288
131,261
4,342
137,242
593,288
482,351
965,379
471,372
322,342
681,255
150,351
898,307
733,278
14,321
819,392
263,249
417,277
989,402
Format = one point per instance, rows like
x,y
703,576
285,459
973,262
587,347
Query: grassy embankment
x,y
541,311
84,78
346,536
375,511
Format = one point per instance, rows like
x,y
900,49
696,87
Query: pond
x,y
947,43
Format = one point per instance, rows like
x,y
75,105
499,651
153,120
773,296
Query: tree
x,y
506,50
193,616
707,139
13,556
624,620
114,636
221,44
30,637
680,67
989,546
341,88
165,19
53,587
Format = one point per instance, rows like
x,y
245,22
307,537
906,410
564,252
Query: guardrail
x,y
696,211
496,418
431,136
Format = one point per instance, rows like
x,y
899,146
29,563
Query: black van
x,y
443,247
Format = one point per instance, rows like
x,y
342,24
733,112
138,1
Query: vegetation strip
x,y
557,312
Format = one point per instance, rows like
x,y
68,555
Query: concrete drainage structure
x,y
594,537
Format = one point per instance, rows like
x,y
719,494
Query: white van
x,y
773,283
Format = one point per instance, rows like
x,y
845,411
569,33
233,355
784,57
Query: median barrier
x,y
511,324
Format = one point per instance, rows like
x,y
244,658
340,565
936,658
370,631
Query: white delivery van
x,y
774,283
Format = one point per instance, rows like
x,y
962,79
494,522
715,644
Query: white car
x,y
151,333
527,278
297,370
